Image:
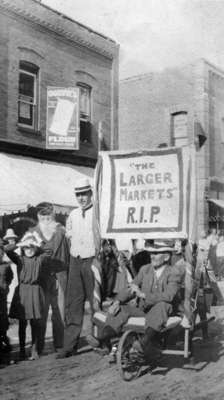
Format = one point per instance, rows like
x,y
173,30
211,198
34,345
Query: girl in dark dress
x,y
28,300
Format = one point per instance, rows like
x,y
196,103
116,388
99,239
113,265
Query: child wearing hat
x,y
10,236
28,300
6,277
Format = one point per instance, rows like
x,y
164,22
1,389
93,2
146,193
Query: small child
x,y
28,304
6,276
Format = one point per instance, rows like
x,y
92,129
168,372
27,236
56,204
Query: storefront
x,y
25,182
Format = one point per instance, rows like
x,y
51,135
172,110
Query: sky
x,y
154,34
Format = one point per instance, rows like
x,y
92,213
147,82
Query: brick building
x,y
181,106
42,48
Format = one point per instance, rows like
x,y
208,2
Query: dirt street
x,y
88,376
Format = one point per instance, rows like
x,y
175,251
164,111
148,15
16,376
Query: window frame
x,y
82,85
173,137
30,70
85,118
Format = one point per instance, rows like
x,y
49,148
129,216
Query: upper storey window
x,y
85,102
28,95
179,131
85,112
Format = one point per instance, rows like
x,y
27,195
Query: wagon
x,y
129,367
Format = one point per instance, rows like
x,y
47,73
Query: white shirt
x,y
212,240
220,249
79,230
158,271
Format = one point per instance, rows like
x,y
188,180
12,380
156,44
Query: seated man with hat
x,y
155,290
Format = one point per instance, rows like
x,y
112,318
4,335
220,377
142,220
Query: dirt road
x,y
88,376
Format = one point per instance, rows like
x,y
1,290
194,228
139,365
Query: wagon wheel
x,y
128,368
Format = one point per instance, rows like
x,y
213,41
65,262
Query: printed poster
x,y
62,118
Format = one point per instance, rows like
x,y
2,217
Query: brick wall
x,y
62,63
147,101
216,122
3,77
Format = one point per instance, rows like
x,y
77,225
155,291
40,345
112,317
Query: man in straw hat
x,y
81,279
154,289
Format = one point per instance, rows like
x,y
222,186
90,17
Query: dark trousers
x,y
155,318
54,298
80,287
109,273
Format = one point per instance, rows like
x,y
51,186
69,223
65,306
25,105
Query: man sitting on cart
x,y
153,294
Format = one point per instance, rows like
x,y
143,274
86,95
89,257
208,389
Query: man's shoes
x,y
92,341
104,349
65,354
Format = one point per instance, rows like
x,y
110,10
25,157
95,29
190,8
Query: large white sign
x,y
145,194
62,118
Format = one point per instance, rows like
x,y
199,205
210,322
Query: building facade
x,y
41,48
178,107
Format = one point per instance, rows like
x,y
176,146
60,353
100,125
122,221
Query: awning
x,y
27,182
217,202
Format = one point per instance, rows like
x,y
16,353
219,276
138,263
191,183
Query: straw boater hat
x,y
83,185
30,240
10,234
160,246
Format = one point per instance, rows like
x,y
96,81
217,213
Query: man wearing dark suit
x,y
155,290
52,236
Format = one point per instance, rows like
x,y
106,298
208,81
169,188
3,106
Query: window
x,y
179,129
28,95
85,112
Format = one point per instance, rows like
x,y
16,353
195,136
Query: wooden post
x,y
186,342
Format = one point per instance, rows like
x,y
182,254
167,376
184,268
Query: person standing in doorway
x,y
53,237
81,278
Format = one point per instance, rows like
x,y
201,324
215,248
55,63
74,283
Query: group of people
x,y
55,268
41,258
160,289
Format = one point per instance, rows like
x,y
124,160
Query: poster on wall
x,y
62,118
146,194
